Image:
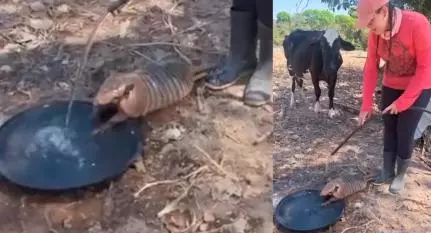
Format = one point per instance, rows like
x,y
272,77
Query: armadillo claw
x,y
139,165
326,203
101,129
203,107
332,199
98,131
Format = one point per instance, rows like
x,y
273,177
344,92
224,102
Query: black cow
x,y
317,51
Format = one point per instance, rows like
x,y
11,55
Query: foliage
x,y
423,6
314,19
283,17
322,19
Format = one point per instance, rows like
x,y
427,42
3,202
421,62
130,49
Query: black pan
x,y
302,212
37,152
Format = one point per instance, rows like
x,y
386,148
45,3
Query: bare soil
x,y
303,141
220,182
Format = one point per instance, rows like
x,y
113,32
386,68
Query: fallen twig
x,y
149,185
357,227
263,137
48,221
228,135
348,109
417,202
175,44
215,164
168,22
422,173
222,94
362,171
10,40
426,162
129,50
173,205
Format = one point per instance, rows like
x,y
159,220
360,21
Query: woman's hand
x,y
392,109
363,117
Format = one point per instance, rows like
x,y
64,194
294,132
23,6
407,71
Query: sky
x,y
290,6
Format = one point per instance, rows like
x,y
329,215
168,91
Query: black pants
x,y
399,129
262,9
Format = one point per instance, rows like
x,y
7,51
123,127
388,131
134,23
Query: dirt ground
x,y
304,140
220,182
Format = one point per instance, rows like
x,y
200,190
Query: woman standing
x,y
403,39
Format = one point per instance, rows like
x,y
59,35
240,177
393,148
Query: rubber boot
x,y
259,88
241,60
397,184
388,170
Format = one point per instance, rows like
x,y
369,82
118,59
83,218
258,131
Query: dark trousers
x,y
399,129
262,9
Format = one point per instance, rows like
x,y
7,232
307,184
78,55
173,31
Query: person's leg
x,y
241,60
408,121
387,173
264,12
259,87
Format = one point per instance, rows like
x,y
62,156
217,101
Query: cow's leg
x,y
292,92
331,91
302,89
317,91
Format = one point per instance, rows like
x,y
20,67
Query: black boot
x,y
397,184
259,88
388,169
241,60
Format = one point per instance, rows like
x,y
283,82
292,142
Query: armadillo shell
x,y
351,186
166,85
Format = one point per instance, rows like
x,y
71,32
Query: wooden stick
x,y
362,126
350,135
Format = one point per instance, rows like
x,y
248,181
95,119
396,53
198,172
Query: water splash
x,y
53,137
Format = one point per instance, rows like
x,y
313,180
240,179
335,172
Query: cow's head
x,y
300,39
297,43
331,43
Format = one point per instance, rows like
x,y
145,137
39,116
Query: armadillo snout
x,y
102,113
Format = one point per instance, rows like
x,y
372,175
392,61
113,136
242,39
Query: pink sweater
x,y
410,61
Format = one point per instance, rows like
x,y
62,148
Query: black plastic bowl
x,y
37,151
302,212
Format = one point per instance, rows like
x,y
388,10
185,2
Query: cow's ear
x,y
345,45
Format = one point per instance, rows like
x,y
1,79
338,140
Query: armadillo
x,y
342,187
135,94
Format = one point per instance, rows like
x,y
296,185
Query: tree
x,y
346,4
423,6
283,17
315,19
345,25
318,20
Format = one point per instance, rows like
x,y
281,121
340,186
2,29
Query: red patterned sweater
x,y
410,61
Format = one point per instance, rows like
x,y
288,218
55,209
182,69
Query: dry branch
x,y
149,185
216,165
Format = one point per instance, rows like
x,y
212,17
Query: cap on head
x,y
365,11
